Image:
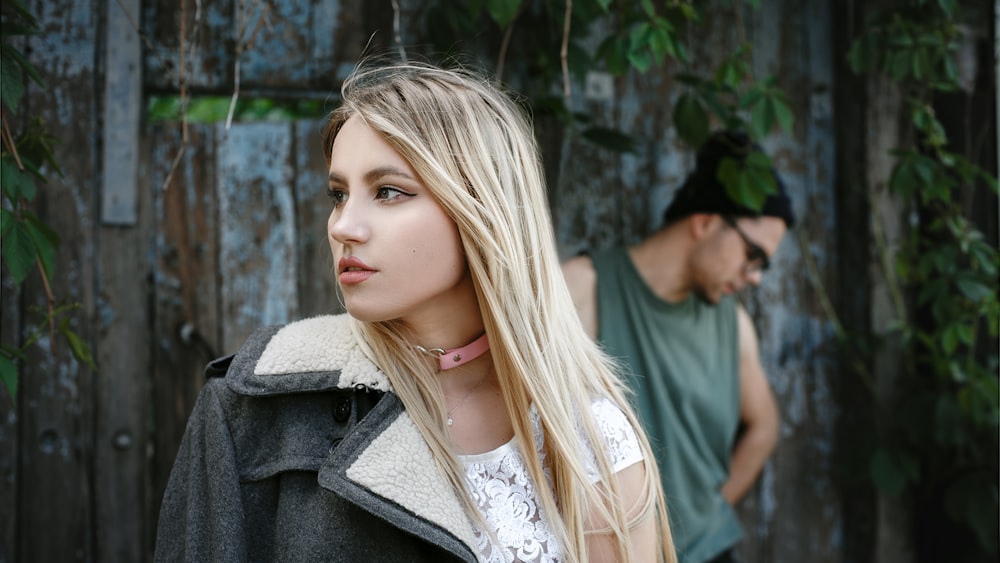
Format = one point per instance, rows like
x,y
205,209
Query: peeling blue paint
x,y
257,238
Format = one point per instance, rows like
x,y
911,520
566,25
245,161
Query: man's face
x,y
734,252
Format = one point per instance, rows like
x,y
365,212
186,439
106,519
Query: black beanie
x,y
702,191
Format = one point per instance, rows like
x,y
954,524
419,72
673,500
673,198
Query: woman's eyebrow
x,y
375,174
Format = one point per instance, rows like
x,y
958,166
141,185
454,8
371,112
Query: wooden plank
x,y
852,239
895,541
257,238
205,29
277,43
10,328
122,401
294,44
122,114
56,405
794,513
317,287
123,391
185,290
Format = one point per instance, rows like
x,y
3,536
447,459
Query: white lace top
x,y
508,498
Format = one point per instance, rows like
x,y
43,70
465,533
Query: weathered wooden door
x,y
182,236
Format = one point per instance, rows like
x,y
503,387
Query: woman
x,y
458,412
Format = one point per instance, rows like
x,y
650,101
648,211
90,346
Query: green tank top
x,y
682,361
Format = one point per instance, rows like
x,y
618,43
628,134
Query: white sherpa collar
x,y
320,344
399,466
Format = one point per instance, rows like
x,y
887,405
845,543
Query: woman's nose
x,y
347,224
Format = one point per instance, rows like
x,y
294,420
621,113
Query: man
x,y
665,308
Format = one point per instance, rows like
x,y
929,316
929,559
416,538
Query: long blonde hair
x,y
474,149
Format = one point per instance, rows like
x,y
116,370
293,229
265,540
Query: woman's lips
x,y
353,271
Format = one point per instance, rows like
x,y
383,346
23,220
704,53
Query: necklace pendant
x,y
450,421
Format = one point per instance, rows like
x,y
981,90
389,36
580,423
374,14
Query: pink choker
x,y
457,356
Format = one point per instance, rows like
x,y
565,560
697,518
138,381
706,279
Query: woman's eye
x,y
387,193
337,196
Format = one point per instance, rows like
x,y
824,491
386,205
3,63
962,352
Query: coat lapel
x,y
385,467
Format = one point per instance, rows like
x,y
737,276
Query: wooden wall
x,y
177,252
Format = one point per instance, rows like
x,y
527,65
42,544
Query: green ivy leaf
x,y
905,180
682,53
950,72
45,241
638,37
19,252
782,112
11,82
965,333
898,65
924,168
863,53
661,43
503,11
8,374
762,118
614,51
948,7
17,184
688,11
640,60
647,6
25,65
891,470
985,258
80,350
921,64
7,220
691,120
740,184
973,289
751,97
949,339
729,74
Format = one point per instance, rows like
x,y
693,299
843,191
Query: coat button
x,y
342,409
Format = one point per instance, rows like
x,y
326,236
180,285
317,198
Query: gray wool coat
x,y
301,452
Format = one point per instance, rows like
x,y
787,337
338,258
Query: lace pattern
x,y
507,497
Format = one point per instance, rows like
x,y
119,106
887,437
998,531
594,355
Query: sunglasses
x,y
757,260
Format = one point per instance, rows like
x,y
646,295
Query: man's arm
x,y
758,414
646,543
582,282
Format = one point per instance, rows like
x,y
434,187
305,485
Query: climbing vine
x,y
28,243
553,45
943,448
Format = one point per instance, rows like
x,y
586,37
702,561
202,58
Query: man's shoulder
x,y
580,266
581,280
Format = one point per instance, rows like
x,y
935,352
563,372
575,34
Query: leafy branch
x,y
944,442
28,243
554,46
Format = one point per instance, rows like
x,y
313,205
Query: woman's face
x,y
397,253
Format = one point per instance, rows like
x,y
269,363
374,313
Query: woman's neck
x,y
451,358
